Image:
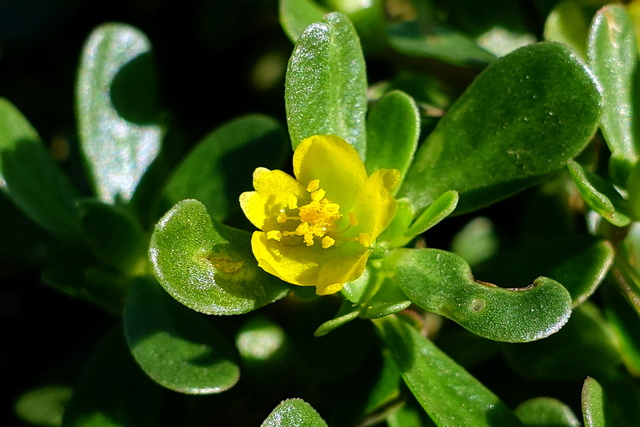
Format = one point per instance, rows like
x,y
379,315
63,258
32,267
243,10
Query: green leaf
x,y
567,23
499,29
117,108
438,210
326,84
264,348
621,399
586,334
346,313
177,347
116,237
439,384
387,387
394,235
437,42
442,282
296,15
633,191
43,406
595,407
207,266
113,392
613,56
579,262
31,179
294,412
393,129
221,166
476,241
600,195
625,324
546,411
526,115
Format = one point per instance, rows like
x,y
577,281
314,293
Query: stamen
x,y
292,203
316,219
364,239
327,242
318,195
313,185
352,219
274,235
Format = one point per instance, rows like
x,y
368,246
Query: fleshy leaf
x,y
296,15
438,210
586,334
633,191
439,42
218,169
625,324
264,348
346,313
117,108
567,23
613,56
545,107
31,179
294,412
579,262
177,347
442,282
621,398
600,195
43,406
546,411
207,266
116,237
393,129
326,84
439,384
595,407
113,391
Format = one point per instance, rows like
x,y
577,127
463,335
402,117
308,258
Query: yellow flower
x,y
318,228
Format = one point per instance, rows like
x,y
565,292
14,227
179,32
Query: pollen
x,y
282,217
292,203
364,239
316,218
327,242
274,235
313,185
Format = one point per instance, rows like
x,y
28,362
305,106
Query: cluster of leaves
x,y
475,114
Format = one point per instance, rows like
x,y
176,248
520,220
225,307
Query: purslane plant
x,y
318,229
371,175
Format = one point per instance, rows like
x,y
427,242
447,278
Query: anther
x,y
364,239
274,235
327,242
292,203
352,219
313,185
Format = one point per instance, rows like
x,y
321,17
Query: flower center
x,y
317,219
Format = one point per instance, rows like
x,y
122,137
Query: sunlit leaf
x,y
207,266
117,108
544,108
326,84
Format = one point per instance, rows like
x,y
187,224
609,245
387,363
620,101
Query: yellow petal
x,y
273,192
333,162
327,269
375,206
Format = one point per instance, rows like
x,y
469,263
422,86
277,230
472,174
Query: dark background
x,y
206,53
